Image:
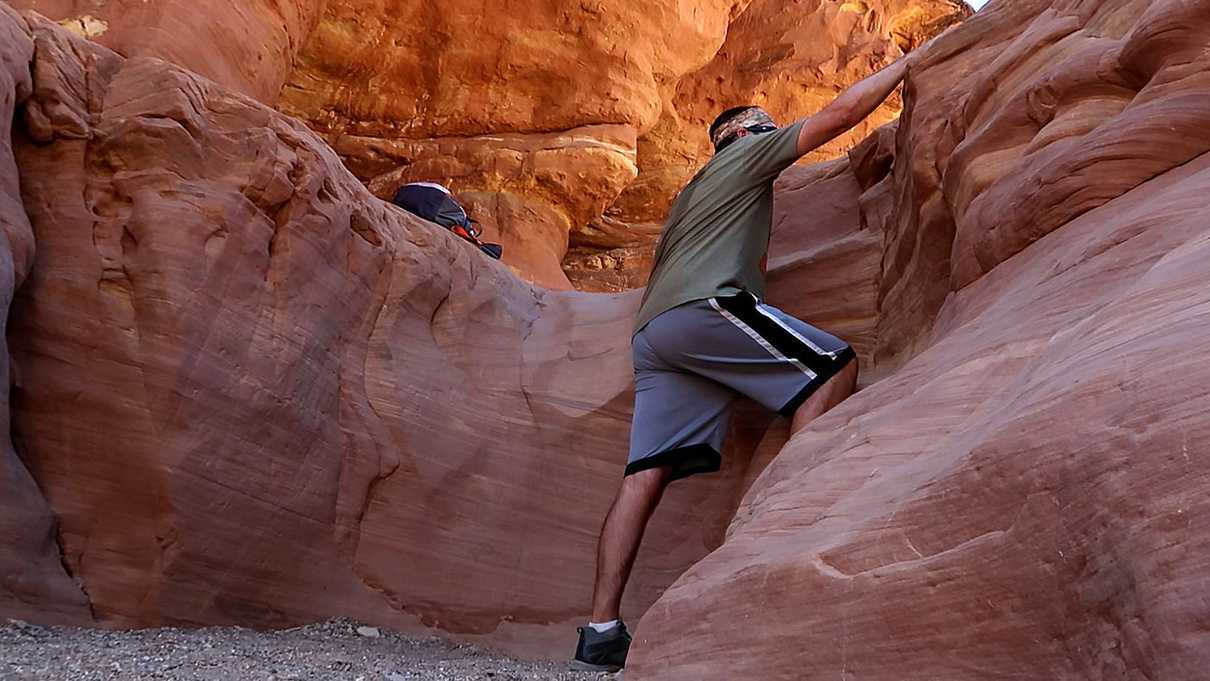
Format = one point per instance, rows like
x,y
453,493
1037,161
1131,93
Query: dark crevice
x,y
55,530
76,579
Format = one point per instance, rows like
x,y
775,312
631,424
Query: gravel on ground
x,y
333,651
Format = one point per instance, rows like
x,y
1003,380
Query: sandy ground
x,y
335,651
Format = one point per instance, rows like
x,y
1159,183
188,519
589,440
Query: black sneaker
x,y
602,652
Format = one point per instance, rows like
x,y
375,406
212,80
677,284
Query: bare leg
x,y
620,538
831,394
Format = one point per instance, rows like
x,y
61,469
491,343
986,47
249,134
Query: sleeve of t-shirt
x,y
766,155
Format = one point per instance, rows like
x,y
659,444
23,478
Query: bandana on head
x,y
754,117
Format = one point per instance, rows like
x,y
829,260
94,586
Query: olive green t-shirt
x,y
717,234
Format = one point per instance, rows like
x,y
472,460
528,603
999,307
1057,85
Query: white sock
x,y
603,627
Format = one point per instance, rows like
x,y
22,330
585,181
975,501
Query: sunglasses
x,y
759,129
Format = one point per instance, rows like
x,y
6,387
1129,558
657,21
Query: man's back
x,y
717,234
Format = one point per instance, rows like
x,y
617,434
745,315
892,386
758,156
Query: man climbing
x,y
703,335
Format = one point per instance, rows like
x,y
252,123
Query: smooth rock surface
x,y
1022,496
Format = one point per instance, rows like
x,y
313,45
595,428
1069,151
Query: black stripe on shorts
x,y
684,462
743,307
842,360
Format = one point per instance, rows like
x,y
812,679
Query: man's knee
x,y
841,383
849,373
837,389
650,481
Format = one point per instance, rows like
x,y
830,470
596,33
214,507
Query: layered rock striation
x,y
33,582
515,98
1020,496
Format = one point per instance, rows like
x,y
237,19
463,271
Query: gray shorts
x,y
692,362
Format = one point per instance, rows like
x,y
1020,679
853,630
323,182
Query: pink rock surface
x,y
32,580
1021,496
824,261
253,393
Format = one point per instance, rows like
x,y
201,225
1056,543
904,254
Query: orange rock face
x,y
248,46
1020,496
534,107
567,129
573,126
793,63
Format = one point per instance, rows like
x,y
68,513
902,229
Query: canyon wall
x,y
1023,496
570,128
791,59
253,393
249,46
33,582
566,129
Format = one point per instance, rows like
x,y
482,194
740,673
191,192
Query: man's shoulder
x,y
721,167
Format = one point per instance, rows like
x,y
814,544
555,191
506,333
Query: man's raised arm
x,y
851,107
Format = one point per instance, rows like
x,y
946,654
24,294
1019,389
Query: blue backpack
x,y
433,202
